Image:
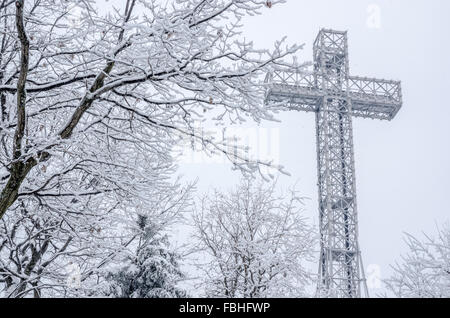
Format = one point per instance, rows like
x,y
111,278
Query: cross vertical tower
x,y
335,97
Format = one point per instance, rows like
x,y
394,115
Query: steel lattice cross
x,y
335,97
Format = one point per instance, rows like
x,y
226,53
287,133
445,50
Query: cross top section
x,y
305,91
331,51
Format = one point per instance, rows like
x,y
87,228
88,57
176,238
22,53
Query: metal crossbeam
x,y
370,97
336,97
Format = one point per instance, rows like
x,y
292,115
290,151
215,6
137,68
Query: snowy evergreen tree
x,y
153,272
425,271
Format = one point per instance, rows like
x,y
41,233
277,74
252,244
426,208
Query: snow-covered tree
x,y
83,225
92,102
76,80
424,272
152,270
40,247
256,242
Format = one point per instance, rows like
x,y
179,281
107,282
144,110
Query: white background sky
x,y
402,167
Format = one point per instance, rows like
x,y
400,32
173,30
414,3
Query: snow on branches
x,y
142,74
151,270
92,103
256,243
424,271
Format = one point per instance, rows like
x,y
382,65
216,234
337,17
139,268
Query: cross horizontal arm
x,y
294,89
374,98
370,98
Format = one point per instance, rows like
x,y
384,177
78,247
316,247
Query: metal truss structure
x,y
335,97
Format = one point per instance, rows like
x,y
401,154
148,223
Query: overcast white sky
x,y
402,167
